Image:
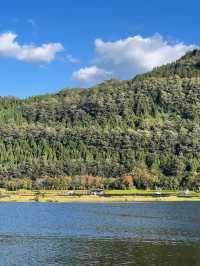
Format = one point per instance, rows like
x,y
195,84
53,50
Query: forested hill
x,y
147,127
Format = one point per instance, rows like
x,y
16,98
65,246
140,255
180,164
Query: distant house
x,y
157,194
97,192
185,194
71,193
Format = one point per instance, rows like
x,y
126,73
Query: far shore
x,y
60,196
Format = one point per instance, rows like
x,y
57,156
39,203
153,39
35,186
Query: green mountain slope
x,y
148,126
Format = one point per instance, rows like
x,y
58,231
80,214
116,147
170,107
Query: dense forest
x,y
146,129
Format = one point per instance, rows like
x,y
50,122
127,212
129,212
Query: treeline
x,y
67,183
150,124
141,179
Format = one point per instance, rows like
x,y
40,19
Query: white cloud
x,y
90,74
134,55
35,54
72,59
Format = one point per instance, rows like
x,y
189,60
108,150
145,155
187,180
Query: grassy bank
x,y
109,196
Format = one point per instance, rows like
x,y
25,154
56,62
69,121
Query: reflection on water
x,y
138,234
85,251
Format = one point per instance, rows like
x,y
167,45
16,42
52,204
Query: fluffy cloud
x,y
127,57
35,54
91,74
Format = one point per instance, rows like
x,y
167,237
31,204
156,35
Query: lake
x,y
73,234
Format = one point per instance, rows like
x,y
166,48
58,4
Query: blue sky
x,y
48,45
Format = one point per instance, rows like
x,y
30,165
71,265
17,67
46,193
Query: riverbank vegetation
x,y
140,181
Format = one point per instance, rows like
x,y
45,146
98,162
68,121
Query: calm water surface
x,y
138,234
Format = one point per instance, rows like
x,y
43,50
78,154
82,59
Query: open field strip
x,y
109,196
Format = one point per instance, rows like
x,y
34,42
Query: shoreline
x,y
85,196
94,199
